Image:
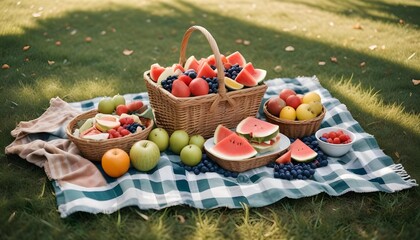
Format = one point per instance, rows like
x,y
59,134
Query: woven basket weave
x,y
295,129
202,114
94,149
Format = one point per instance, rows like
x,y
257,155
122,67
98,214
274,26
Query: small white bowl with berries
x,y
335,141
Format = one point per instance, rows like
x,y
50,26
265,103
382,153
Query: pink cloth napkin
x,y
59,157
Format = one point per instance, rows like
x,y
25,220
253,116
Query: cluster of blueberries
x,y
167,83
133,127
233,71
290,171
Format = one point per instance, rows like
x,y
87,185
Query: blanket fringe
x,y
399,169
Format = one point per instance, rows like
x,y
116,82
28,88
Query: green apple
x,y
197,140
303,112
191,155
144,155
160,137
316,107
106,105
118,100
311,97
178,140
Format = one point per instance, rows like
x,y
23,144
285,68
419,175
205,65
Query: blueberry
x,y
226,174
306,173
204,169
234,174
299,176
282,176
276,175
196,171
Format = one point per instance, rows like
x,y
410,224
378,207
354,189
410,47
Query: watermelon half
x,y
220,133
236,58
233,147
257,130
301,152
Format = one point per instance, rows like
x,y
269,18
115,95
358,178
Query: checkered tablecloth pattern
x,y
364,169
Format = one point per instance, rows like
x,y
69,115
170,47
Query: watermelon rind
x,y
245,78
220,133
257,130
266,147
233,147
302,152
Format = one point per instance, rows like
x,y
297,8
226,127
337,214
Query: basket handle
x,y
219,65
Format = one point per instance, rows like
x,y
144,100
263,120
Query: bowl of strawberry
x,y
335,141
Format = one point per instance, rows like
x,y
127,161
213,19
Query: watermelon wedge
x,y
191,63
285,158
301,152
267,146
257,74
257,130
206,70
211,60
233,147
245,78
220,133
236,58
155,71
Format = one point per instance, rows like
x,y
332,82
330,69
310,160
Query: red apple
x,y
293,101
185,78
134,105
199,87
180,89
285,93
121,109
275,105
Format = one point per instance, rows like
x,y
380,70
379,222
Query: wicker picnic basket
x,y
202,114
295,129
94,149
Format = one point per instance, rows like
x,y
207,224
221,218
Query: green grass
x,y
380,96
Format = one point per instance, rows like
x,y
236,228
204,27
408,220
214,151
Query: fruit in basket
x,y
285,158
86,125
316,107
118,100
144,155
115,162
220,133
257,74
197,140
236,58
104,122
96,136
288,113
161,137
106,105
198,87
275,105
180,89
301,152
178,140
304,112
120,109
191,155
155,71
245,78
205,70
293,101
232,84
185,78
311,97
233,147
257,130
285,93
135,105
268,145
191,63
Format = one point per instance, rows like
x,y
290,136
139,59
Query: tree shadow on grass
x,y
83,70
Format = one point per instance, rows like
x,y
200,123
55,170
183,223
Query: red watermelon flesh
x,y
245,78
155,71
177,66
233,147
220,133
191,63
211,60
206,70
301,152
257,74
236,58
257,130
285,158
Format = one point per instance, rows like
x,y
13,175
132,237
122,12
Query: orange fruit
x,y
115,162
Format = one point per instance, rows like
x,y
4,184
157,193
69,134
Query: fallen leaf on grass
x,y
247,42
415,82
50,62
334,59
239,41
362,64
373,47
37,14
88,39
128,52
411,56
26,59
401,21
5,66
57,43
321,63
357,26
26,48
278,68
180,218
11,217
289,49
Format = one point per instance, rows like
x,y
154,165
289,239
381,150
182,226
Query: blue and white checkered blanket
x,y
364,169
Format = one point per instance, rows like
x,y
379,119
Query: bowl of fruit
x,y
335,141
297,115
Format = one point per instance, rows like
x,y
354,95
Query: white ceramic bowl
x,y
334,150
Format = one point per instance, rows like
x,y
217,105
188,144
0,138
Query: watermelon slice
x,y
206,70
257,130
220,133
267,146
211,60
285,158
177,66
245,78
191,63
236,58
155,71
301,152
233,147
257,74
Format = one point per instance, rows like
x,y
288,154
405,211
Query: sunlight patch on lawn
x,y
370,102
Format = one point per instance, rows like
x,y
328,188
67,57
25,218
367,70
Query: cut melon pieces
x,y
301,152
233,147
257,74
191,63
236,58
220,133
155,71
257,130
245,78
